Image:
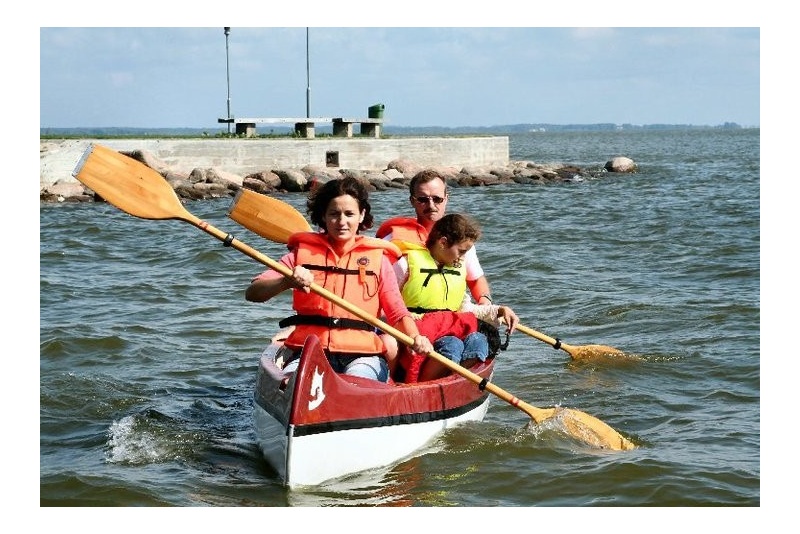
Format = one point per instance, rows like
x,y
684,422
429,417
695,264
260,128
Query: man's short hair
x,y
423,177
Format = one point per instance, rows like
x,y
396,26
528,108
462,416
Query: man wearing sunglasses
x,y
429,199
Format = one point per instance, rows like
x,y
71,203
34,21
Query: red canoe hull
x,y
301,422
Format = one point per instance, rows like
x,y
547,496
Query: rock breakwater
x,y
211,182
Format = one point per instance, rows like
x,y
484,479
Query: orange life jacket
x,y
354,276
403,229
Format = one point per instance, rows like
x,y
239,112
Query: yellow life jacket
x,y
354,276
430,287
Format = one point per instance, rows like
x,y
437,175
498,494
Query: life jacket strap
x,y
329,322
337,270
417,309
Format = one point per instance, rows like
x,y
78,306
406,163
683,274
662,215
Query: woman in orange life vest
x,y
355,267
433,278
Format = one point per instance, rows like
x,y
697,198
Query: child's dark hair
x,y
321,196
455,227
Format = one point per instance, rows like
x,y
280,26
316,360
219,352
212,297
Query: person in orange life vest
x,y
357,268
429,197
433,278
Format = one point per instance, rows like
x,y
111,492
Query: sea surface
x,y
148,349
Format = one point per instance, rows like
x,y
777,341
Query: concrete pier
x,y
247,156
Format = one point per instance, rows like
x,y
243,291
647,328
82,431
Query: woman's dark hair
x,y
456,228
320,197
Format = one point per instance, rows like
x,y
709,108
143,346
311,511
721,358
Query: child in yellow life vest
x,y
429,196
432,278
356,268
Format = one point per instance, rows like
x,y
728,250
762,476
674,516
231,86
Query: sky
x,y
153,77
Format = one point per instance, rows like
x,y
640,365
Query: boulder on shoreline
x,y
209,183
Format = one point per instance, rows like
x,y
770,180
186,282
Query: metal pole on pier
x,y
308,80
228,76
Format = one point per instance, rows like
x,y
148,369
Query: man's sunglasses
x,y
425,200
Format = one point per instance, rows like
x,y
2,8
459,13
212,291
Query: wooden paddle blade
x,y
580,425
594,353
583,352
128,184
592,430
266,216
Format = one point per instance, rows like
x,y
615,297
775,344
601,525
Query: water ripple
x,y
148,350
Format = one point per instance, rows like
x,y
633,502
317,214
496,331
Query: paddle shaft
x,y
579,352
584,426
276,220
553,342
537,414
142,192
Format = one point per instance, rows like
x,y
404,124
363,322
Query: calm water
x,y
148,349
